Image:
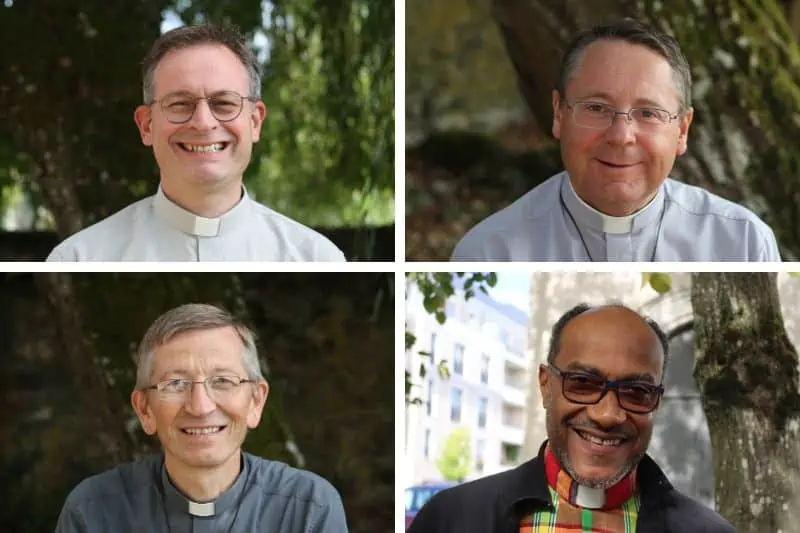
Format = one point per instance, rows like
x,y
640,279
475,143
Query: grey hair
x,y
187,36
633,32
191,317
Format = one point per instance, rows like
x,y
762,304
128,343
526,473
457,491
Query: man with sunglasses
x,y
602,381
202,113
199,388
621,113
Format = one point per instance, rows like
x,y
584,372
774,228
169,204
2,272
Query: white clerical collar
x,y
589,497
189,223
175,500
593,218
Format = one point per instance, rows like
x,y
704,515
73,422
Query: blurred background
x,y
479,77
326,343
730,410
70,79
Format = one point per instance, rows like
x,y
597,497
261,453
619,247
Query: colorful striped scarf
x,y
618,515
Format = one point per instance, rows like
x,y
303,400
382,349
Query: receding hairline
x,y
187,47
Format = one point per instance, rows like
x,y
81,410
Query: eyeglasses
x,y
637,397
179,108
218,388
599,116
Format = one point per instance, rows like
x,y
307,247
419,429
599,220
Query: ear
x,y
260,393
142,408
544,386
557,115
257,115
143,118
683,131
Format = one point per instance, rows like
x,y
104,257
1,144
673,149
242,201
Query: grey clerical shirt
x,y
267,497
157,229
682,223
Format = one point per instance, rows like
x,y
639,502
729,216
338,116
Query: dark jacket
x,y
497,504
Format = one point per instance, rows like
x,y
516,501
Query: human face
x,y
619,170
196,355
614,343
200,71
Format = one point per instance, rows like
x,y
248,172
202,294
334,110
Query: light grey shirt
x,y
682,223
267,497
157,229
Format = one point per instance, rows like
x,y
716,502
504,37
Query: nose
x,y
203,119
607,412
622,130
198,402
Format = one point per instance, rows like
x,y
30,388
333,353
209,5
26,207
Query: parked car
x,y
418,495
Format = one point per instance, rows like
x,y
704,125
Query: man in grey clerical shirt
x,y
199,388
202,113
622,110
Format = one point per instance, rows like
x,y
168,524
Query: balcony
x,y
512,435
514,396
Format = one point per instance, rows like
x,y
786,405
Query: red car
x,y
418,495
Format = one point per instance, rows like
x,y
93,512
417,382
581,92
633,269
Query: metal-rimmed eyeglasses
x,y
179,107
217,387
600,116
583,388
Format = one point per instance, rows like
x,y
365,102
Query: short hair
x,y
561,323
187,36
633,32
192,317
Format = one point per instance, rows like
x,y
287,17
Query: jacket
x,y
497,504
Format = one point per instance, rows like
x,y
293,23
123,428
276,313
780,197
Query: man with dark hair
x,y
602,382
199,389
202,112
621,111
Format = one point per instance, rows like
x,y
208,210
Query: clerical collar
x,y
591,217
187,222
175,501
583,496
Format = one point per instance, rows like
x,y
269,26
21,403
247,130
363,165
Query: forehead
x,y
627,73
200,69
200,352
613,340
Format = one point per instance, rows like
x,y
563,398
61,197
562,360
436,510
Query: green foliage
x,y
658,281
455,457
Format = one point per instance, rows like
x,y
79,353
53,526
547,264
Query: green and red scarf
x,y
617,514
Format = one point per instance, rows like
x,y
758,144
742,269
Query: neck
x,y
616,210
204,203
203,484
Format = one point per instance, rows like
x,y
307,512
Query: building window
x,y
429,403
485,369
510,453
455,405
479,446
458,359
426,444
482,405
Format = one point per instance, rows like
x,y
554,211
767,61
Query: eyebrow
x,y
637,103
645,376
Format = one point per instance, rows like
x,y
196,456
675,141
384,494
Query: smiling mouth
x,y
615,165
615,442
204,148
209,430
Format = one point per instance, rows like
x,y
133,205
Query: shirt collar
x,y
175,501
189,223
589,216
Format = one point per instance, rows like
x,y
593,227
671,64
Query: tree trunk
x,y
747,370
746,88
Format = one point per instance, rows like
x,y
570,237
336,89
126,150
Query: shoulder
x,y
96,242
301,242
122,481
279,479
504,225
690,515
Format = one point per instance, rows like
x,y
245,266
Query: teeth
x,y
216,147
602,442
203,431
